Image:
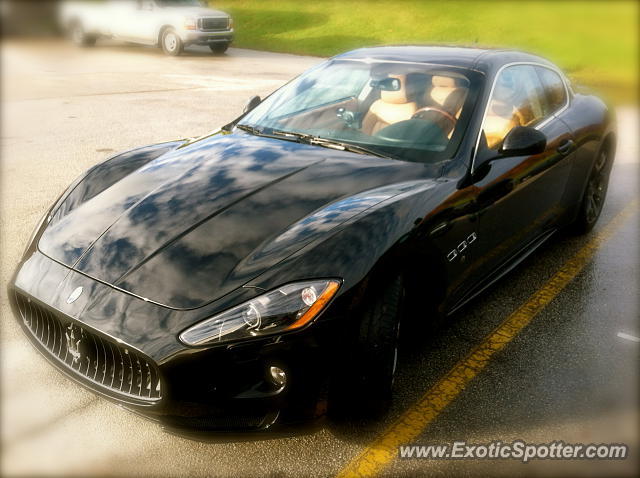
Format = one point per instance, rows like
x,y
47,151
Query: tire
x,y
367,392
595,192
218,48
79,37
171,43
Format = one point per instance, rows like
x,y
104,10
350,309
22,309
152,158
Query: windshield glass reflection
x,y
409,111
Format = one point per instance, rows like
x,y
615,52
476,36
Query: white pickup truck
x,y
169,24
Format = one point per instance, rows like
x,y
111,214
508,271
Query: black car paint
x,y
289,211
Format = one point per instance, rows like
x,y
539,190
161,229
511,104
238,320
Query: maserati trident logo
x,y
77,292
74,342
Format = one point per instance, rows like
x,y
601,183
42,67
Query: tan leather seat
x,y
502,116
392,107
447,94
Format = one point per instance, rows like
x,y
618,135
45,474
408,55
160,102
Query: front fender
x,y
105,174
354,248
97,179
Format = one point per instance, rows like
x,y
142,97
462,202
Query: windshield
x,y
409,111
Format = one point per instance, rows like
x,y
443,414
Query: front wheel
x,y
218,48
595,193
171,42
367,390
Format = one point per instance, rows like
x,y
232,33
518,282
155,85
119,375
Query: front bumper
x,y
190,37
220,388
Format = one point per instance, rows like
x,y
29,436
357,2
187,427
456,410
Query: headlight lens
x,y
287,308
190,24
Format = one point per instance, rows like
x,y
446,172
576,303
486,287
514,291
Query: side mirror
x,y
522,141
252,103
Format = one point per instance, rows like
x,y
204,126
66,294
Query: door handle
x,y
566,147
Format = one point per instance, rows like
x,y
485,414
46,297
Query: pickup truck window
x,y
179,3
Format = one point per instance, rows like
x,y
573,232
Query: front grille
x,y
105,363
214,24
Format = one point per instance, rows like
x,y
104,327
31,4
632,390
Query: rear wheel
x,y
218,48
171,42
78,35
595,192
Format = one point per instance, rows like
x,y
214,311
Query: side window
x,y
554,91
517,100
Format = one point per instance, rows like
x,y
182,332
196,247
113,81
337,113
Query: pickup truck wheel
x,y
79,37
171,42
218,48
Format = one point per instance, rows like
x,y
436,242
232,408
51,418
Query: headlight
x,y
230,23
287,308
190,24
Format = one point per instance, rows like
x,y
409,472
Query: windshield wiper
x,y
250,129
271,133
313,140
292,134
329,143
342,146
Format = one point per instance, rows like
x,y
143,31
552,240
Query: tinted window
x,y
554,92
517,100
408,111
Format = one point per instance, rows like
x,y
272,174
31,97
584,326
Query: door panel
x,y
124,19
520,198
146,22
449,235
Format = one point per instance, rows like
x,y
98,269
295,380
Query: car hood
x,y
201,221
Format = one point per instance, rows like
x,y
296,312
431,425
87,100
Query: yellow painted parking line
x,y
413,421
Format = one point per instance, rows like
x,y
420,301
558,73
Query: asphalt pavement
x,y
571,374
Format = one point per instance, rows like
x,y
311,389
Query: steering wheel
x,y
449,119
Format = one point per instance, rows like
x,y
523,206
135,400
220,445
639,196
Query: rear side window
x,y
554,91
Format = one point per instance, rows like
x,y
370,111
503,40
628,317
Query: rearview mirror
x,y
252,103
523,141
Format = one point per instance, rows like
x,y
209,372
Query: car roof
x,y
483,59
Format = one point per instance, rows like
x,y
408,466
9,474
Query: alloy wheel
x,y
596,189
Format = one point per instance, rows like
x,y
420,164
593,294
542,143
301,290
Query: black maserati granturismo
x,y
258,275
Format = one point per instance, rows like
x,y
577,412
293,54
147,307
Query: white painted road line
x,y
632,338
